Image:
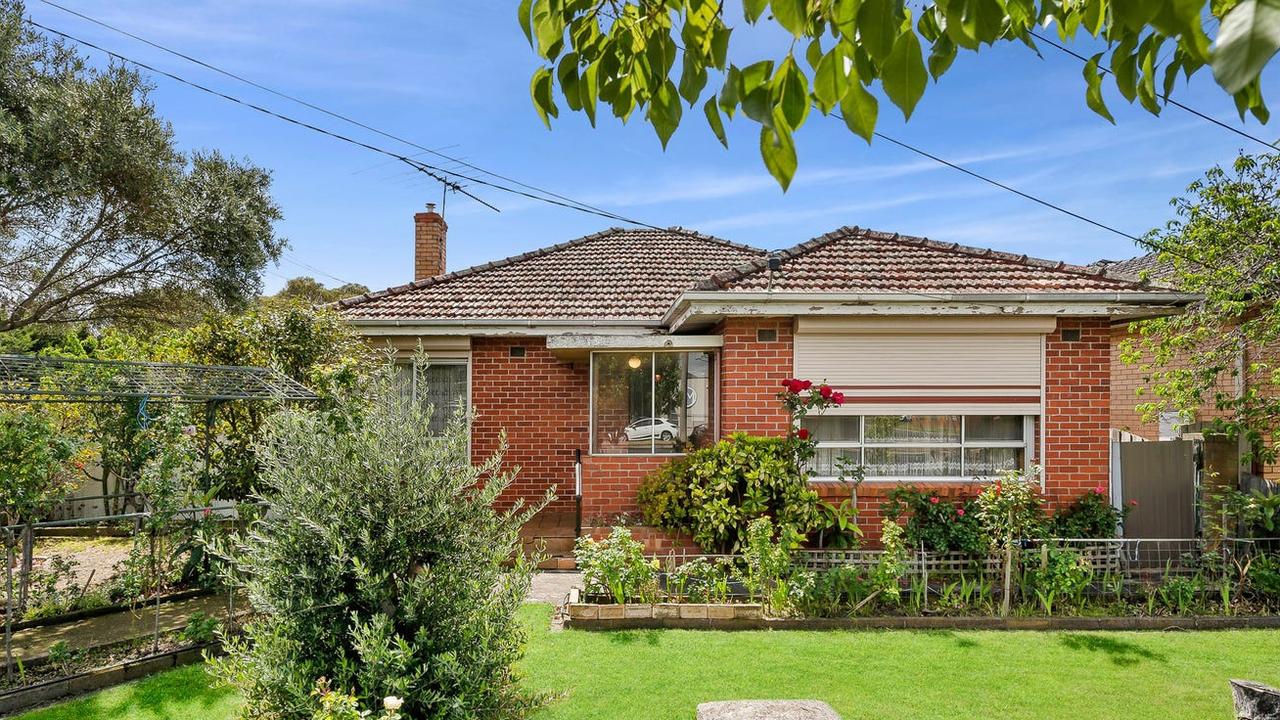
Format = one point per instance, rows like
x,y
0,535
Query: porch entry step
x,y
766,710
558,563
554,546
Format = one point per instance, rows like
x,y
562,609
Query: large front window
x,y
652,402
898,447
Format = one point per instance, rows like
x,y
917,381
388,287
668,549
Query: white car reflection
x,y
649,428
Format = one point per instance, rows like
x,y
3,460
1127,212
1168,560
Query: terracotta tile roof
x,y
866,261
1147,266
616,274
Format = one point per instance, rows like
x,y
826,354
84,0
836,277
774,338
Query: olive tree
x,y
382,565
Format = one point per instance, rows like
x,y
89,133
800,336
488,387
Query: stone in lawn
x,y
766,710
1254,701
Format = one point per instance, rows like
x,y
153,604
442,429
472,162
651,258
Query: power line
x,y
330,113
1161,95
998,184
554,199
421,166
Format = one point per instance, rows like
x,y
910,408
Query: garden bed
x,y
44,682
745,616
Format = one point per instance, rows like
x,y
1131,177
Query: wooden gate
x,y
1162,478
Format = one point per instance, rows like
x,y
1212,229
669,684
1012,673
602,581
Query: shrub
x,y
1264,577
769,573
700,581
714,493
886,578
940,525
200,629
616,567
1059,574
382,565
1091,516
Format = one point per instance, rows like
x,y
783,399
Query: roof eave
x,y
501,326
728,303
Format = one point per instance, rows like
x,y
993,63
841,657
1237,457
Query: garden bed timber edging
x,y
692,616
150,603
49,691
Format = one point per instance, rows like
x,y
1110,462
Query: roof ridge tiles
x,y
1057,265
394,290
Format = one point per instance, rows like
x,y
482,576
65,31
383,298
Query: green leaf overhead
x,y
637,55
904,76
1248,38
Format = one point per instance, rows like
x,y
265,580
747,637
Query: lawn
x,y
891,674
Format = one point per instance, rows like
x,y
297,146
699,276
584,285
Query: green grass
x,y
178,694
642,675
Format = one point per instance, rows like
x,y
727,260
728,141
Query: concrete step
x,y
549,545
558,563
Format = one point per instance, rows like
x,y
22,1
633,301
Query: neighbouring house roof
x,y
617,274
1149,267
857,260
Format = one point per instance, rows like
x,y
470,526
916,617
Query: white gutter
x,y
751,303
502,326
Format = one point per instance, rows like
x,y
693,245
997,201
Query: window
x,y
920,446
442,384
651,402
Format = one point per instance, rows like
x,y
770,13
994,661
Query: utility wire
x,y
1186,108
555,199
421,166
330,113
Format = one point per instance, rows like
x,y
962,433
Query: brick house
x,y
1131,386
604,357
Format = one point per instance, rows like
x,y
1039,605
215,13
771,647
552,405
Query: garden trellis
x,y
33,379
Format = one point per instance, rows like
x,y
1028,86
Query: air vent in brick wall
x,y
518,350
766,335
1071,334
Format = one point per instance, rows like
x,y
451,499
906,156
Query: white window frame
x,y
1027,443
713,367
445,360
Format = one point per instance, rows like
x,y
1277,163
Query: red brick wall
x,y
1077,412
541,402
609,484
751,374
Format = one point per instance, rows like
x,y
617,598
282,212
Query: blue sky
x,y
454,76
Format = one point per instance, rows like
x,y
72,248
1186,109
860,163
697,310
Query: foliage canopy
x,y
102,219
625,54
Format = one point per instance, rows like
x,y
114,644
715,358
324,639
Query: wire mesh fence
x,y
1134,560
158,548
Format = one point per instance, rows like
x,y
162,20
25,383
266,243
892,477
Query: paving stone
x,y
766,710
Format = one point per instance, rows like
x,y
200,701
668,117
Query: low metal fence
x,y
136,521
1135,560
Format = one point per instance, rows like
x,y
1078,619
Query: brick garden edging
x,y
696,616
99,678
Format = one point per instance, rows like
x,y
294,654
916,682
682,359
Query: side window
x,y
442,384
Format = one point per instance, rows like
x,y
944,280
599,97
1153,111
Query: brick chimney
x,y
429,230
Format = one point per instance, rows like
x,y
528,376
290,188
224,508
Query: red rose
x,y
1101,489
803,433
837,398
934,499
804,384
786,384
825,392
960,512
1133,503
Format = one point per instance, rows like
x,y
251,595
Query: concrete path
x,y
34,643
552,587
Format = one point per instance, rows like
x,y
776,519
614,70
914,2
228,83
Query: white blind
x,y
920,360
